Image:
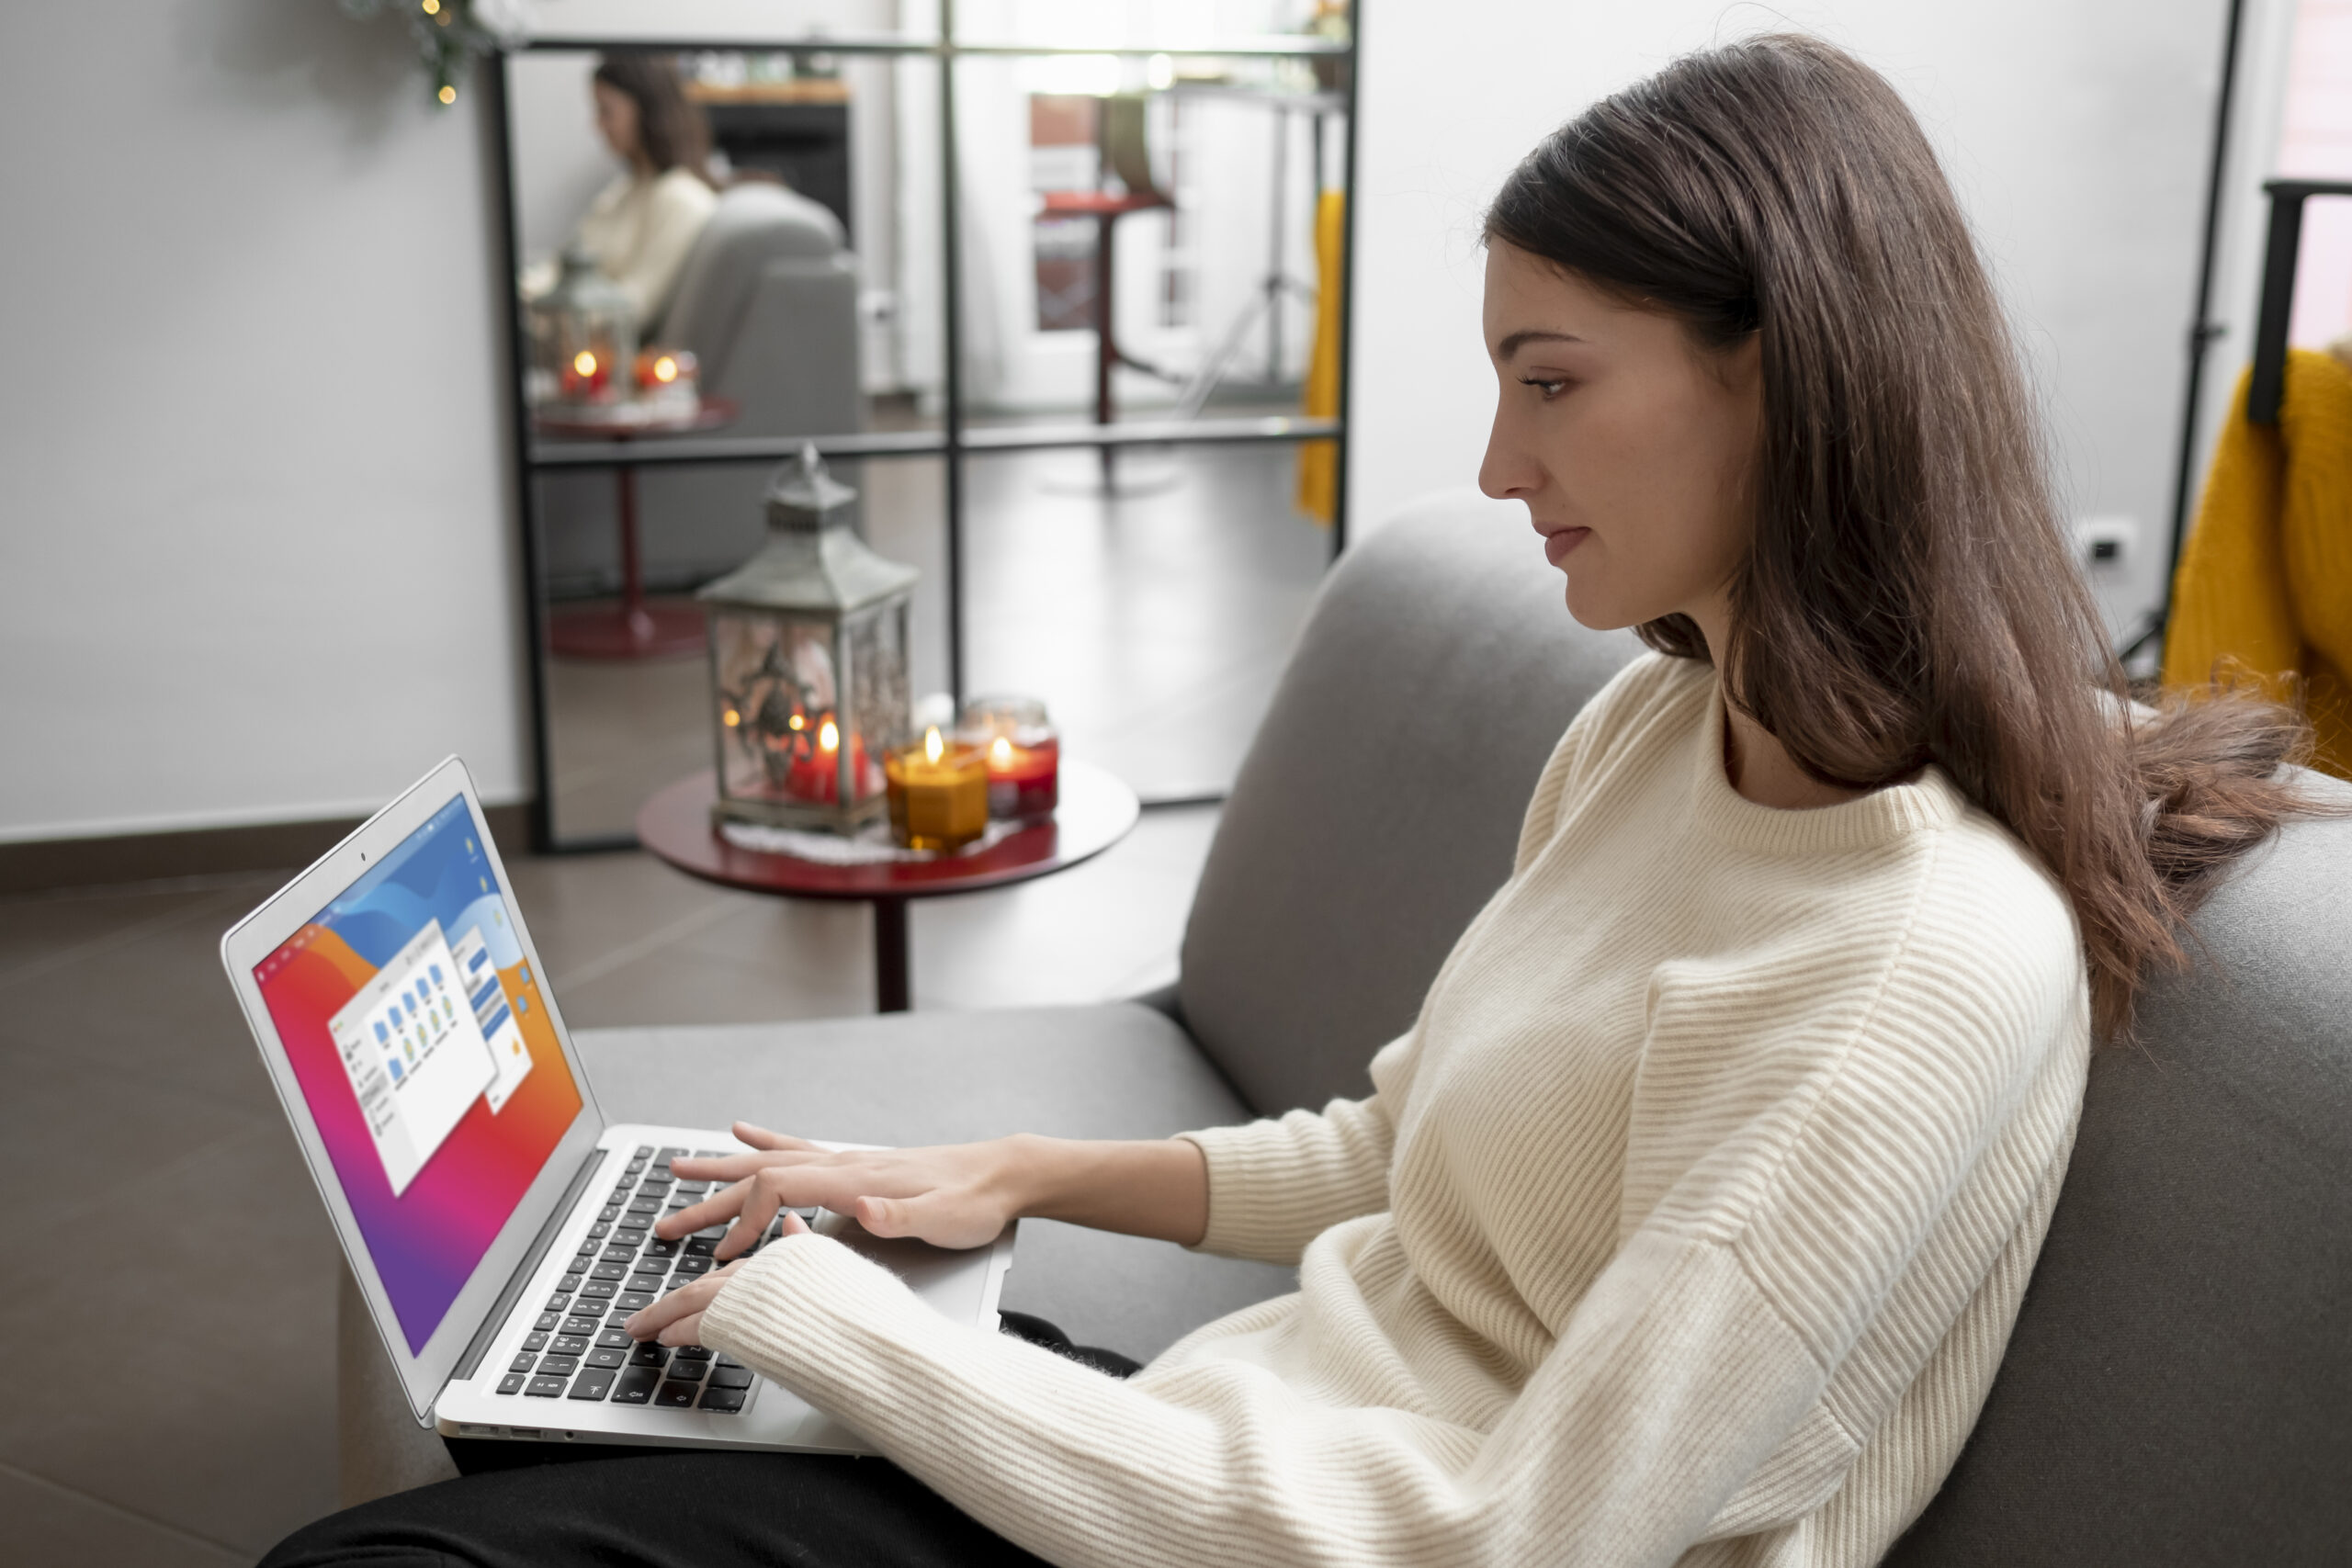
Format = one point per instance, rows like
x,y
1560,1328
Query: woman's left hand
x,y
676,1318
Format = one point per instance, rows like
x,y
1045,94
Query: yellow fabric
x,y
1319,461
2265,584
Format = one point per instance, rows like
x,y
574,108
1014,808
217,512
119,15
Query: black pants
x,y
520,1503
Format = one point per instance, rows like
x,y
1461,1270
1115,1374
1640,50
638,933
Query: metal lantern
x,y
584,338
807,662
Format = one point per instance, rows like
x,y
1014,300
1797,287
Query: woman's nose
x,y
1506,473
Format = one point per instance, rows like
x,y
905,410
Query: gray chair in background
x,y
2179,1386
767,303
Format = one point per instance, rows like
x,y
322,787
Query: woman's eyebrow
x,y
1510,347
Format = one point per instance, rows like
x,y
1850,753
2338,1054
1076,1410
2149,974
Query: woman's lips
x,y
1557,546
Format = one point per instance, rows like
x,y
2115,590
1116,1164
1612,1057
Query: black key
x,y
725,1400
693,1265
534,1342
730,1377
645,1205
675,1395
680,1283
522,1362
713,1231
614,1339
697,1188
598,1290
680,1202
570,1344
644,1151
544,1388
560,1301
666,1155
571,1281
694,1352
620,1251
700,1247
624,1192
637,1223
587,1250
651,1354
709,1154
582,1324
728,1361
609,1271
593,1383
633,1301
608,1213
637,1165
546,1321
558,1366
685,1370
648,1283
635,1386
656,1248
511,1384
653,1185
612,1361
599,1231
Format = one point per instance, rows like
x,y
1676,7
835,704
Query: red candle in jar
x,y
1025,781
587,375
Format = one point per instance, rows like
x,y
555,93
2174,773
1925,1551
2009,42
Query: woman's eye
x,y
1549,390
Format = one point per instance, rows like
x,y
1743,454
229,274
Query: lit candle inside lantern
x,y
938,792
816,770
587,377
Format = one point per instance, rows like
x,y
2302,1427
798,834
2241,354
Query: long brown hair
x,y
1908,597
670,126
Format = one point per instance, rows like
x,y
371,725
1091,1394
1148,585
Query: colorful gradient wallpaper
x,y
426,1240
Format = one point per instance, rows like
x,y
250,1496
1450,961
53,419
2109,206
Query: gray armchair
x,y
767,303
2179,1386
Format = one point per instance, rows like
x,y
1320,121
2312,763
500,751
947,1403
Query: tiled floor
x,y
177,1407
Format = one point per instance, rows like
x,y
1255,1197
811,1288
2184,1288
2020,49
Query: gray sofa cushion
x,y
1379,804
2179,1389
1121,1071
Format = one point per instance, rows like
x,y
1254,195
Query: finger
x,y
761,1138
716,1209
794,1225
759,1207
646,1322
685,1331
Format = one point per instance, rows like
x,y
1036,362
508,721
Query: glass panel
x,y
1198,197
1149,24
843,23
622,722
1153,624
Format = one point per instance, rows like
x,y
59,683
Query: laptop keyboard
x,y
578,1348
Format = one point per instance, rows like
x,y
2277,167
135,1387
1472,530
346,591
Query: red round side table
x,y
1097,809
636,628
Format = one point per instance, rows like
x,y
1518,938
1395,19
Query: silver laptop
x,y
500,1228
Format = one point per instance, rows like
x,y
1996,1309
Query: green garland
x,y
450,35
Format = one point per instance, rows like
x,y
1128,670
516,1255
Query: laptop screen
x,y
416,1029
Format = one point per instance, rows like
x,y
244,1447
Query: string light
x,y
432,7
447,94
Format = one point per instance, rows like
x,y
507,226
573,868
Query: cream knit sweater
x,y
1687,1225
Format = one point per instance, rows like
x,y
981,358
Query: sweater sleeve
x,y
1682,1398
1275,1185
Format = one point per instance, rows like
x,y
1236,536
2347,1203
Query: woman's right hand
x,y
958,1195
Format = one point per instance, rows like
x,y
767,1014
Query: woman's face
x,y
1631,447
616,121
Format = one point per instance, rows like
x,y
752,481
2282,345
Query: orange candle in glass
x,y
938,792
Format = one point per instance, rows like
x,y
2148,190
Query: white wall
x,y
2076,133
255,556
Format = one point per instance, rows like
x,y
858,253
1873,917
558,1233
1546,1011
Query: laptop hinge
x,y
505,1305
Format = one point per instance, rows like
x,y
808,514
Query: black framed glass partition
x,y
1069,315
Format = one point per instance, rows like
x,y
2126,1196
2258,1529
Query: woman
x,y
641,226
1690,1220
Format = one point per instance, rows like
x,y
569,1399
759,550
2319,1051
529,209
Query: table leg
x,y
891,985
637,629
